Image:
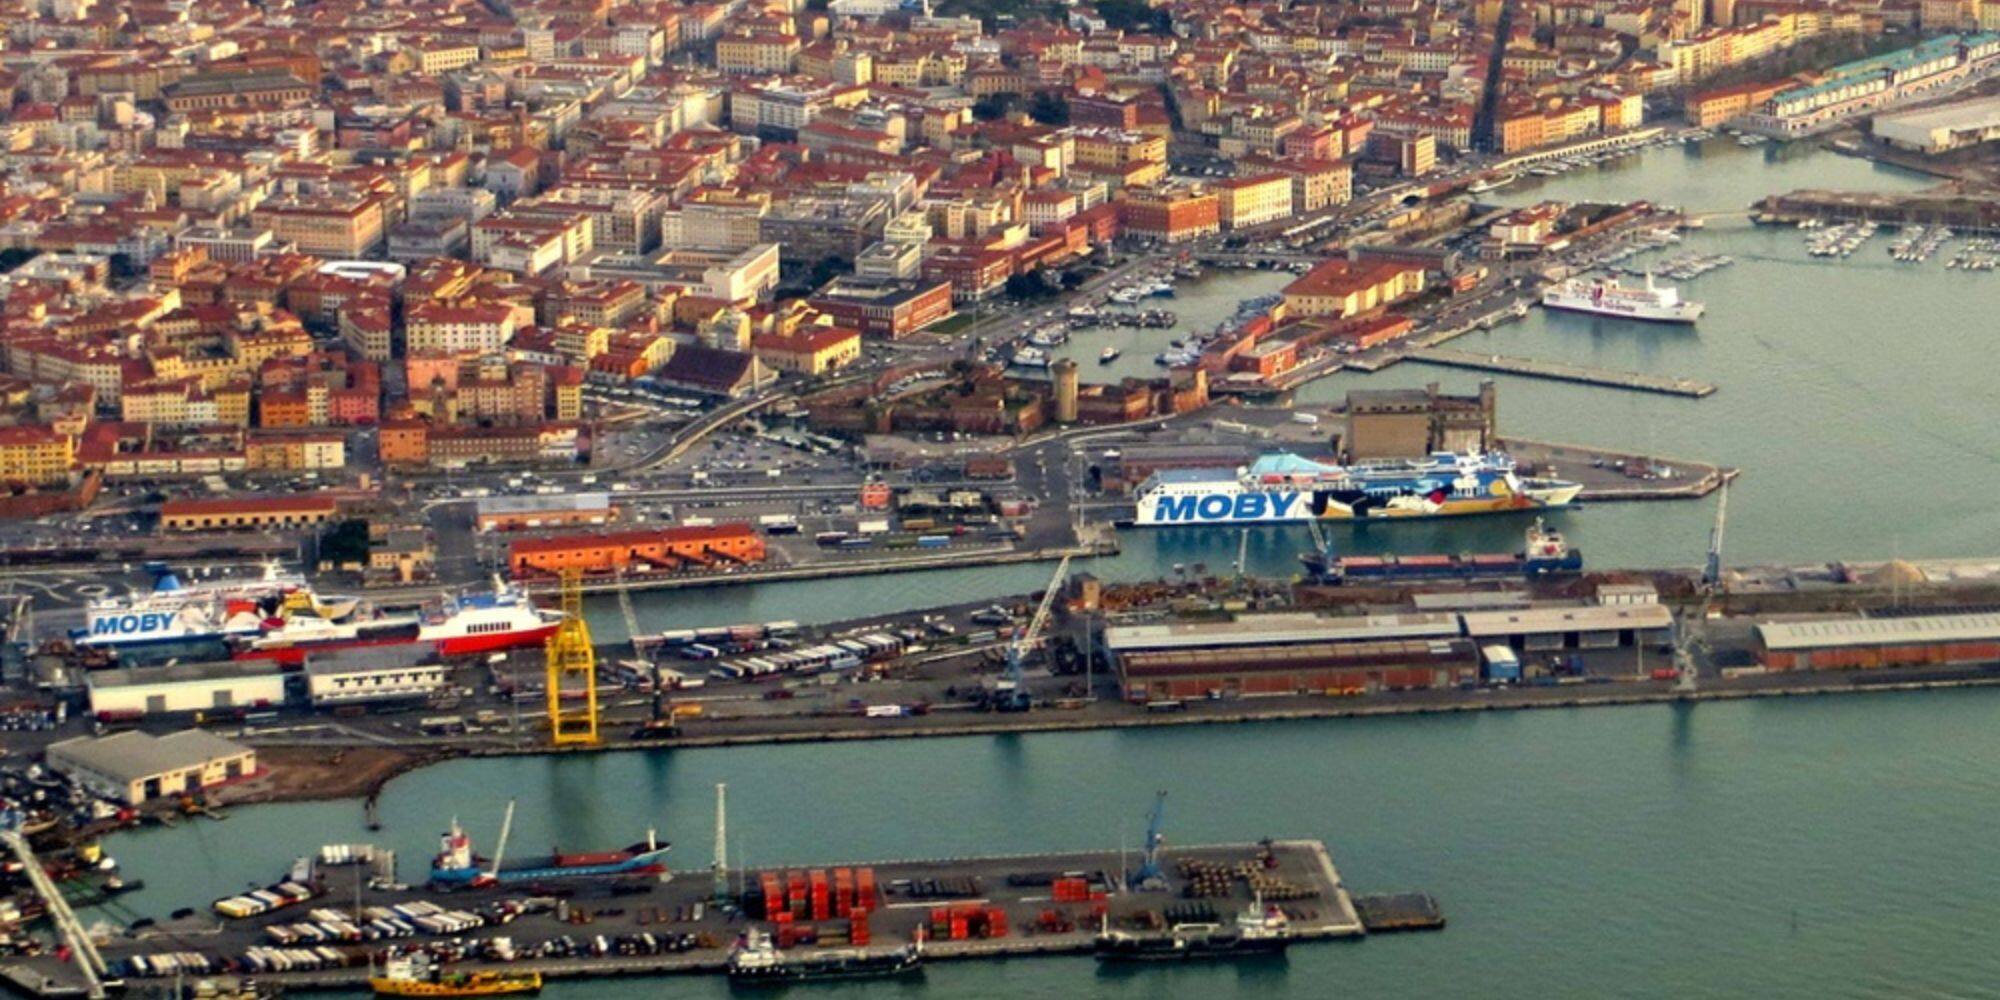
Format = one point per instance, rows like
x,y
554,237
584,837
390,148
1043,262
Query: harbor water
x,y
1852,423
1802,848
1786,849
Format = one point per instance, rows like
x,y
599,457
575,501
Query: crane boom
x,y
1026,639
500,848
1011,693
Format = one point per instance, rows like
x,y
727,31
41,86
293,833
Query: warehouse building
x,y
1310,653
1943,128
374,673
1866,643
1337,668
658,550
563,511
1289,653
135,767
188,687
245,514
1585,627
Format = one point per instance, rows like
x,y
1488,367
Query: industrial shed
x,y
1278,629
1868,642
1594,626
1342,668
190,687
558,511
135,767
374,673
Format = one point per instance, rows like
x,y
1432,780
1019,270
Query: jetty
x,y
967,908
1562,371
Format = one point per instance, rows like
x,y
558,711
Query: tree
x,y
825,270
992,107
345,544
1049,108
1135,15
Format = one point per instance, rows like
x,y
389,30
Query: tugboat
x,y
418,976
1258,931
756,959
1108,355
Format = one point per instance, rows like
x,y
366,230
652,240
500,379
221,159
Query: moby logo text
x,y
1224,507
151,621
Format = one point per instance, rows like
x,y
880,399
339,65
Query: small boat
x,y
1492,183
418,976
1031,357
1108,355
756,959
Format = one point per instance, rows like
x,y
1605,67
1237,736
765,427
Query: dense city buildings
x,y
414,236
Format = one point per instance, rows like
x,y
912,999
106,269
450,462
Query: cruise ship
x,y
1280,488
1604,297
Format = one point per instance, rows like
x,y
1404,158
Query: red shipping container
x,y
864,887
996,923
958,929
782,918
774,895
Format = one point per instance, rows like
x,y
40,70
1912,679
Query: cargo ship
x,y
1545,554
503,619
1603,297
757,960
418,976
1259,931
456,866
1280,488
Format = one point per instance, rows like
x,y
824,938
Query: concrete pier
x,y
1564,372
1297,875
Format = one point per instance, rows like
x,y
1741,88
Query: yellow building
x,y
37,455
334,227
1253,201
445,58
811,350
1112,149
760,52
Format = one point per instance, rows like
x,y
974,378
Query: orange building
x,y
404,442
637,551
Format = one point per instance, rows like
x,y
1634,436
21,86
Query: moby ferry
x,y
1284,488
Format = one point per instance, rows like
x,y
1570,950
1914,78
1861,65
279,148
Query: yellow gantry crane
x,y
572,684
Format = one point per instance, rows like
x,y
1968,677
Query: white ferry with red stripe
x,y
502,619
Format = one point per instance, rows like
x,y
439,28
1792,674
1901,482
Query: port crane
x,y
572,671
1010,693
1685,671
1150,876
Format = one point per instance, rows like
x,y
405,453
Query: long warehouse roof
x,y
1832,632
1588,618
1278,629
